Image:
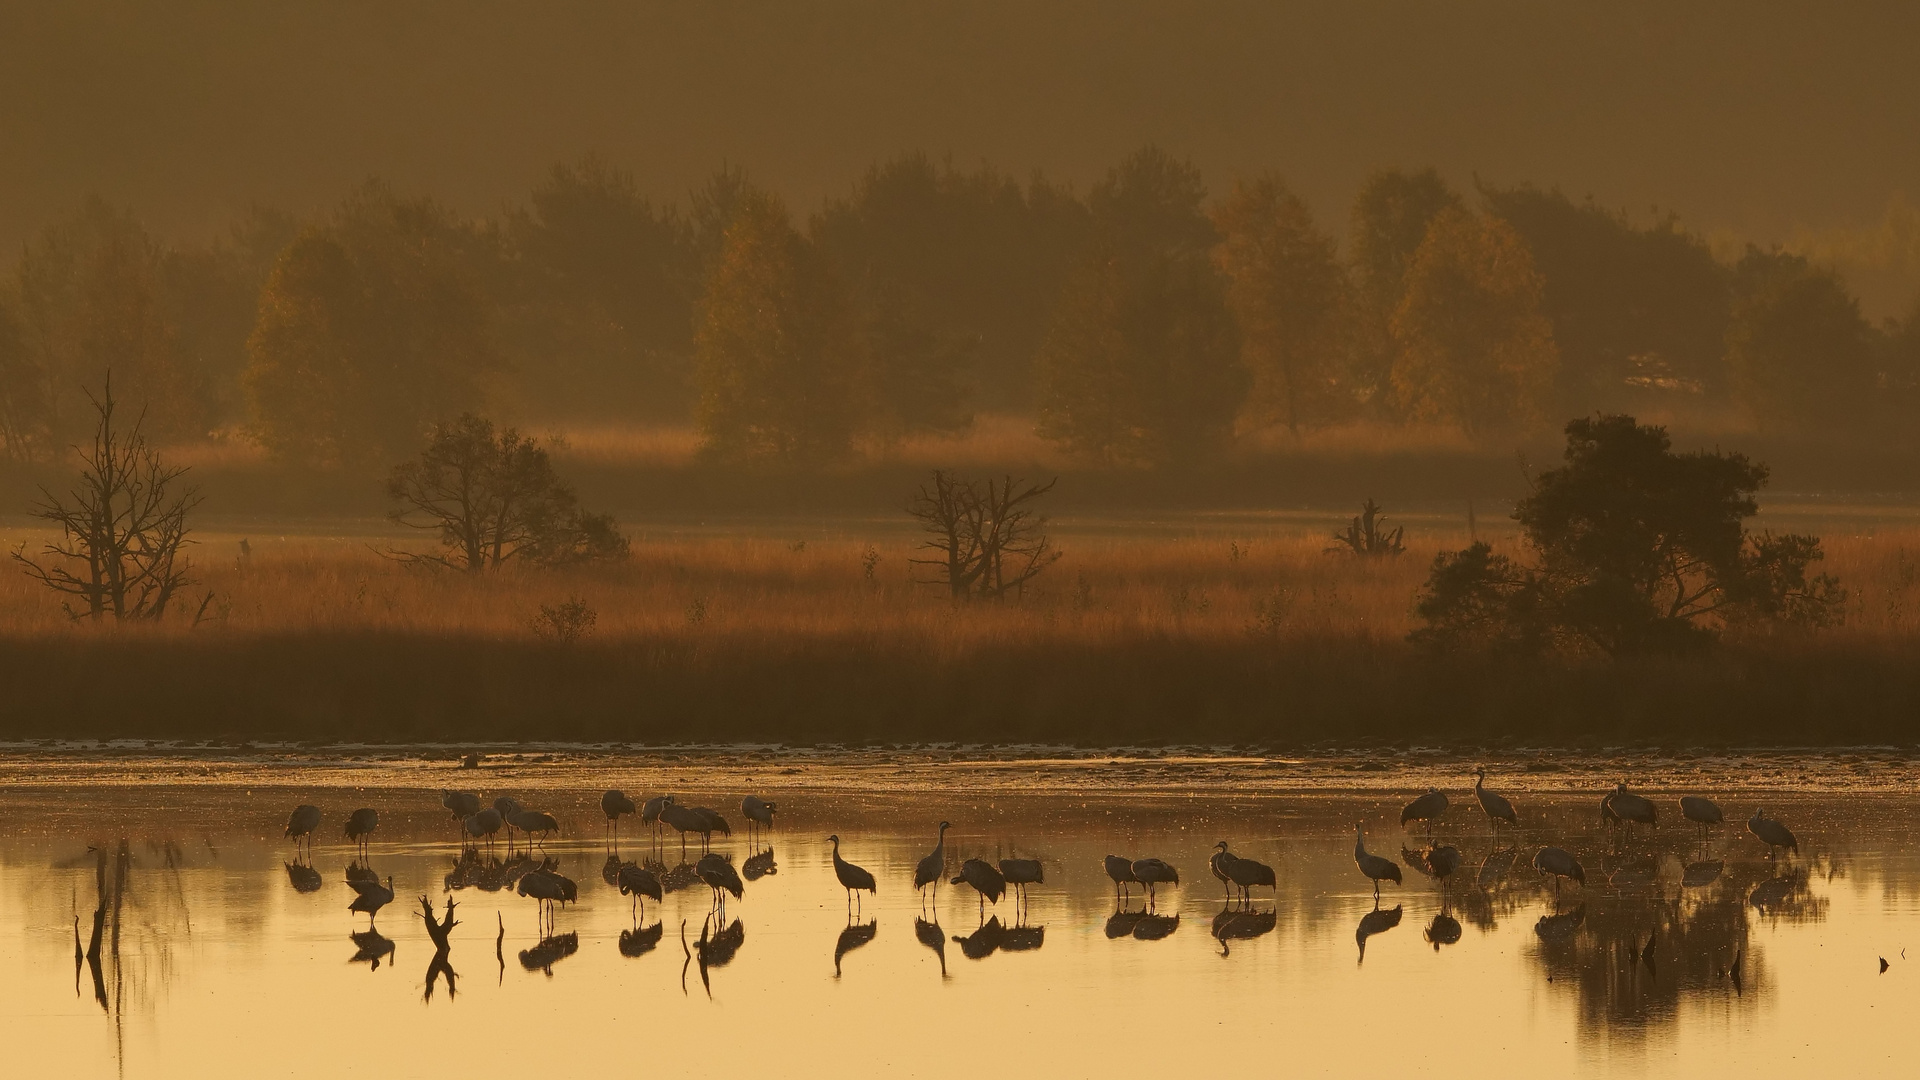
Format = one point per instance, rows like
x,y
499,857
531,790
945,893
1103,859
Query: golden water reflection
x,y
1677,957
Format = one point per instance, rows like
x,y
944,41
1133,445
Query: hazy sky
x,y
1748,116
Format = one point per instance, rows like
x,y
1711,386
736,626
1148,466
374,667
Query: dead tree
x,y
1014,547
949,510
1367,535
121,530
985,538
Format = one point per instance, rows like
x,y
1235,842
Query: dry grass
x,y
1227,636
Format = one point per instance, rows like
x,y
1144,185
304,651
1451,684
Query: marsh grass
x,y
1256,637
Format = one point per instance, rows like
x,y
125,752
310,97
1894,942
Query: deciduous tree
x,y
1798,351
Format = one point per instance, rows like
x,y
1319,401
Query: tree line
x,y
1145,320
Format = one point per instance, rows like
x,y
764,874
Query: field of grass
x,y
1207,633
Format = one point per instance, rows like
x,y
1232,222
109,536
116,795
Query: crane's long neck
x,y
1359,844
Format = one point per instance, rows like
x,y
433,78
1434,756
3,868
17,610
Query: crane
x,y
533,821
759,814
1244,874
639,883
1771,833
1426,808
613,803
1497,807
1021,873
301,823
1121,871
985,879
1377,867
682,820
1632,809
650,813
1153,872
484,822
1561,864
1701,811
360,825
720,876
852,878
370,896
461,804
932,868
710,822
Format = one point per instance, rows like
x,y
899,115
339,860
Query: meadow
x,y
1224,630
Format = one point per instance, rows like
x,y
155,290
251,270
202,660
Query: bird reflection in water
x,y
1377,921
715,948
982,942
854,936
1236,924
640,940
759,865
303,878
933,938
1561,926
1153,927
549,951
1698,875
472,870
371,946
1495,867
1023,938
1444,930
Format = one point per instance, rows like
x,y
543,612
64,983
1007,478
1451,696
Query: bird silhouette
x,y
854,936
1497,807
1247,874
1437,861
639,883
683,820
985,879
1427,808
650,813
1560,863
614,803
1218,863
933,867
461,804
1152,927
1378,868
1233,924
1701,811
710,822
1772,833
1153,873
550,889
714,869
370,945
533,821
759,815
301,823
852,878
484,822
1377,921
360,825
370,897
1020,873
507,806
1121,871
1632,809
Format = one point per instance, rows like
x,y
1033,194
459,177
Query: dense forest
x,y
1146,320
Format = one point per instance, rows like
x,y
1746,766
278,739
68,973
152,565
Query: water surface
x,y
221,953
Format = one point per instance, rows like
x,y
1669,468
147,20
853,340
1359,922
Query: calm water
x,y
224,956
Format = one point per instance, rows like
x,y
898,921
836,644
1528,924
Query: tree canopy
x,y
1637,549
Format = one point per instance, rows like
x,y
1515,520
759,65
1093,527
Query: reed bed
x,y
1262,637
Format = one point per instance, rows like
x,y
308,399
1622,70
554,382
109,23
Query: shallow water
x,y
221,955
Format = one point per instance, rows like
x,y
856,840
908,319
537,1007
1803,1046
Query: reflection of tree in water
x,y
1643,940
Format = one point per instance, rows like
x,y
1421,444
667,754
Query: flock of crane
x,y
480,823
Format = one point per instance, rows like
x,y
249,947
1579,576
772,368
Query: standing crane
x,y
300,825
1379,868
614,803
1245,874
985,879
932,868
683,821
639,883
461,804
1632,809
370,896
1021,873
1772,833
1121,871
1152,872
759,814
1561,864
360,825
720,876
1702,811
484,822
650,813
1426,808
1497,807
852,878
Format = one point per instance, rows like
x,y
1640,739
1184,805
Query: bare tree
x,y
985,538
492,498
1367,535
121,530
